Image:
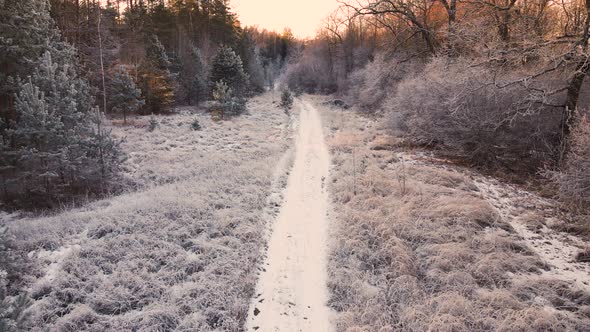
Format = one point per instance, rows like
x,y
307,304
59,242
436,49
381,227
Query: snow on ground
x,y
418,244
531,217
291,294
181,249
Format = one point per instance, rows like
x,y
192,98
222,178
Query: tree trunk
x,y
427,36
575,85
452,15
570,114
573,93
451,8
503,27
77,42
425,33
104,90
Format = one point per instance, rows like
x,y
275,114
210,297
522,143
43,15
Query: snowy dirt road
x,y
291,294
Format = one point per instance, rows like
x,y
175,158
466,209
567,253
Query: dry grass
x,y
418,248
180,253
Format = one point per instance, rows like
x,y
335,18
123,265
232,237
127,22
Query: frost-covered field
x,y
418,247
181,250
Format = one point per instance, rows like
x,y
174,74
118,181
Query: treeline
x,y
65,64
499,84
168,49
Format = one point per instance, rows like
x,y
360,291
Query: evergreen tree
x,y
55,144
157,88
156,81
227,67
193,77
221,23
252,62
161,21
125,97
26,32
156,54
95,39
256,72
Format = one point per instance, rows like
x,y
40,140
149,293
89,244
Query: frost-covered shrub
x,y
313,72
195,125
12,306
573,182
457,107
153,123
369,86
286,100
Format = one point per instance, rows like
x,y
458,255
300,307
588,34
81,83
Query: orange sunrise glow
x,y
302,16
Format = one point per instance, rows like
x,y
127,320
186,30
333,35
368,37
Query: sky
x,y
302,16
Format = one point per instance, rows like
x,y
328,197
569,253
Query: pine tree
x,y
226,101
26,32
221,23
55,138
125,97
252,62
45,113
193,77
156,54
227,67
156,81
158,92
256,72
